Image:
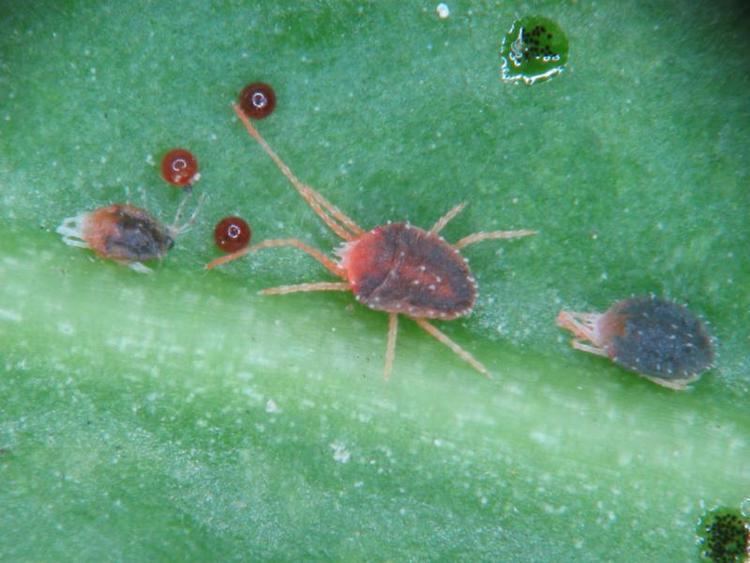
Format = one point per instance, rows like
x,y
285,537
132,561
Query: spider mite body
x,y
395,268
399,268
655,338
123,233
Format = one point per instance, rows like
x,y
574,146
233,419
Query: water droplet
x,y
534,49
443,11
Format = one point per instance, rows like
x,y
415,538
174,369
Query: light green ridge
x,y
180,416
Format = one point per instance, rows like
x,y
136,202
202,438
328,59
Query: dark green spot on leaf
x,y
534,49
725,536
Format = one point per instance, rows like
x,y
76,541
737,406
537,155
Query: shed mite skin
x,y
657,339
396,268
125,233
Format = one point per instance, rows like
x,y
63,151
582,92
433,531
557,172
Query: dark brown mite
x,y
232,234
124,233
257,100
180,168
396,268
655,338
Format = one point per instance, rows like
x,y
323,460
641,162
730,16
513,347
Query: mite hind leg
x,y
331,215
460,352
304,287
445,219
390,348
329,264
492,235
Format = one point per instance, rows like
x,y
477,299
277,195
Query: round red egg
x,y
257,100
232,234
180,168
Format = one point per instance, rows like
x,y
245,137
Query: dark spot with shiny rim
x,y
257,100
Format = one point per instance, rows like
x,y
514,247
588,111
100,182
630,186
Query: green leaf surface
x,y
181,416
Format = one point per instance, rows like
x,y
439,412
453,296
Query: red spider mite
x,y
232,234
660,340
396,268
125,233
180,168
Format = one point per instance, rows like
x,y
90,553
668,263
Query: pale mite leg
x,y
582,325
493,235
443,221
300,287
677,385
138,267
72,242
460,352
345,228
181,207
578,345
329,264
176,228
71,230
390,348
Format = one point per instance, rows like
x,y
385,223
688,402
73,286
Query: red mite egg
x,y
232,234
180,168
257,100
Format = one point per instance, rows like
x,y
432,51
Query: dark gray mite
x,y
124,233
658,339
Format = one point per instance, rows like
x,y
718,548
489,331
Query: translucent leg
x,y
443,221
71,230
139,267
676,384
460,352
345,228
582,325
176,228
390,348
329,264
319,286
73,242
493,235
578,345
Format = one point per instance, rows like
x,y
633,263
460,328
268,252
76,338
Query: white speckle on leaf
x,y
340,453
745,507
6,315
443,11
543,438
272,407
